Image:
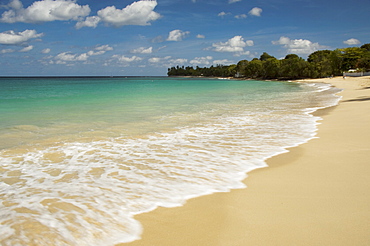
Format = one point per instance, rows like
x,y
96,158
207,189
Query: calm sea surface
x,y
79,157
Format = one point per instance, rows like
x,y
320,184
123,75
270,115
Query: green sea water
x,y
79,157
51,107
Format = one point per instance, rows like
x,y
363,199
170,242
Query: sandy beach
x,y
316,194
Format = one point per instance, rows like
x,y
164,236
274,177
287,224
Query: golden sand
x,y
316,194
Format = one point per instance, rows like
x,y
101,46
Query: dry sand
x,y
316,194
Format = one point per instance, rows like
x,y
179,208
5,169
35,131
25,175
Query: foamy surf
x,y
87,192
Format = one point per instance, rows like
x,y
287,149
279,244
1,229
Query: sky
x,y
146,37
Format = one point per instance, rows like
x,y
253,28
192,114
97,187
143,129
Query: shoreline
x,y
315,194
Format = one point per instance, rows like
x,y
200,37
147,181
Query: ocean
x,y
80,157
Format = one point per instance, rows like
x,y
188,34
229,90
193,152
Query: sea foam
x,y
87,193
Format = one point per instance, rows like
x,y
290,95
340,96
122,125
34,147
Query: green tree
x,y
324,63
350,57
291,56
241,66
364,63
366,47
231,70
254,69
294,67
265,56
271,68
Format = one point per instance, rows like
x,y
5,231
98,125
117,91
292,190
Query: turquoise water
x,y
49,106
81,156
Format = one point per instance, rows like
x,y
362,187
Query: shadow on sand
x,y
361,99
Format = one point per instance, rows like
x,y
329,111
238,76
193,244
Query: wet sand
x,y
316,194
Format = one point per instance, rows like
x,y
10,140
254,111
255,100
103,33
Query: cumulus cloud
x,y
26,49
142,50
91,21
352,41
15,4
139,13
222,14
43,11
177,35
16,38
155,59
298,46
166,61
5,51
201,61
105,47
125,59
223,62
159,60
244,53
201,36
242,16
234,1
178,61
255,11
234,45
158,39
99,50
65,57
46,51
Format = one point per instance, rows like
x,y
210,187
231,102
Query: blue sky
x,y
125,37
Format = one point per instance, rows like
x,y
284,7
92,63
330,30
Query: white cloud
x,y
43,11
177,35
15,4
94,53
282,41
46,51
222,14
142,50
255,11
99,50
223,62
298,46
234,1
201,36
242,16
65,57
155,59
138,13
124,59
352,41
91,21
158,39
167,61
14,38
235,44
245,53
178,61
202,61
26,49
104,48
4,51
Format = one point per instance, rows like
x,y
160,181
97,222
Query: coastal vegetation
x,y
319,64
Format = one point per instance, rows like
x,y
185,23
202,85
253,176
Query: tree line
x,y
319,64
